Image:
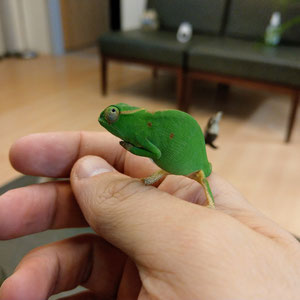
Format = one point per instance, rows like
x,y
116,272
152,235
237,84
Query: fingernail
x,y
91,166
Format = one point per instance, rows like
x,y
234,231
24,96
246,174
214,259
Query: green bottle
x,y
272,34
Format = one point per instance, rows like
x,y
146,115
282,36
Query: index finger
x,y
54,154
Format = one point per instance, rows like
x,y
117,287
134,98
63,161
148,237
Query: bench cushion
x,y
247,59
204,15
157,47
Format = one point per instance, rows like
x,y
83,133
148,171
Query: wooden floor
x,y
51,94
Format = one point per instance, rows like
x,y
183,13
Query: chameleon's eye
x,y
112,114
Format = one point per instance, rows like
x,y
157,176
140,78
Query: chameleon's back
x,y
181,141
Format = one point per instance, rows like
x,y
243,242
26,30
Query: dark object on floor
x,y
225,48
2,276
19,182
12,251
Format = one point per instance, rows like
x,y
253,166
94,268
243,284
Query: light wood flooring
x,y
62,93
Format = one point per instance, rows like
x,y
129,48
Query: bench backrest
x,y
236,18
206,16
292,35
249,19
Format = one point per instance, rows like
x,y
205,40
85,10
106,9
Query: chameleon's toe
x,y
211,205
154,177
148,181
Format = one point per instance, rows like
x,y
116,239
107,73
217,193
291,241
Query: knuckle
x,y
119,190
116,201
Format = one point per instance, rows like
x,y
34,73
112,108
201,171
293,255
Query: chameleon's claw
x,y
211,206
147,181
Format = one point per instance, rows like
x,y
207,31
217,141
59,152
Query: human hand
x,y
150,243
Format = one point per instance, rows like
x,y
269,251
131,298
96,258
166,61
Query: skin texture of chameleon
x,y
171,138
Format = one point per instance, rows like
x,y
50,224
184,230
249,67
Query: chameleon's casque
x,y
172,138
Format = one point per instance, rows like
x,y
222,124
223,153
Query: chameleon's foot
x,y
200,177
154,177
211,206
126,145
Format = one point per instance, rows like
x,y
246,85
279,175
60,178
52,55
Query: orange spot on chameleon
x,y
149,124
171,135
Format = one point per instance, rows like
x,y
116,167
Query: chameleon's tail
x,y
212,200
203,181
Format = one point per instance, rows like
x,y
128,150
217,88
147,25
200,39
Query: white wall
x,y
131,13
37,25
25,25
13,30
2,45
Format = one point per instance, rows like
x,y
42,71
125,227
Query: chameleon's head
x,y
116,118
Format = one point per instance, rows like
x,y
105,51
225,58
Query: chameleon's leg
x,y
154,177
200,177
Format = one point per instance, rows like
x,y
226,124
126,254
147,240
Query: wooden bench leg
x,y
187,94
104,62
292,117
155,72
181,90
222,95
223,88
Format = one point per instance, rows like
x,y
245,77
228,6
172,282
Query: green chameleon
x,y
171,138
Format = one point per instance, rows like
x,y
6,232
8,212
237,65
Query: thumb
x,y
137,219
